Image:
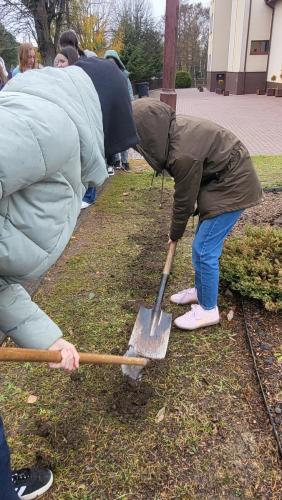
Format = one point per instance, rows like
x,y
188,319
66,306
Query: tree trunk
x,y
42,26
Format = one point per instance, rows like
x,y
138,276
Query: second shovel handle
x,y
170,257
41,355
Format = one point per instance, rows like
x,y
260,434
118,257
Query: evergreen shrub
x,y
251,264
183,80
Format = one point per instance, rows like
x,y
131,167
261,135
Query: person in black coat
x,y
119,127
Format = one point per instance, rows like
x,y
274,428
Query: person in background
x,y
120,160
69,39
27,59
3,73
66,57
211,168
118,124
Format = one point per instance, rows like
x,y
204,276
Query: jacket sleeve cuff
x,y
176,232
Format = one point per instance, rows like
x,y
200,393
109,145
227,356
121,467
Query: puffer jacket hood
x,y
113,54
153,122
210,166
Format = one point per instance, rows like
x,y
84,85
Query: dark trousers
x,y
7,491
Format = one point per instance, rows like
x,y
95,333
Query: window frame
x,y
259,52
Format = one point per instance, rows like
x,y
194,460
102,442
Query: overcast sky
x,y
158,6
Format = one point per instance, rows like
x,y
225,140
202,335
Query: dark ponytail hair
x,y
70,53
69,38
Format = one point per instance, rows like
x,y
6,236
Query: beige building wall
x,y
219,35
275,58
260,27
238,35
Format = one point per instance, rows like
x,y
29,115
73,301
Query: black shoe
x,y
125,166
31,483
117,165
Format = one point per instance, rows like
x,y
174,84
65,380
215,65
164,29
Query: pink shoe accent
x,y
188,296
197,318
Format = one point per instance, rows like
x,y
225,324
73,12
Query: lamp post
x,y
168,94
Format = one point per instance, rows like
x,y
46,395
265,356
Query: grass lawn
x,y
269,169
194,428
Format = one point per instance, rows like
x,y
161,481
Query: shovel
x,y
41,355
152,327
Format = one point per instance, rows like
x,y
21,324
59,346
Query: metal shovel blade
x,y
150,333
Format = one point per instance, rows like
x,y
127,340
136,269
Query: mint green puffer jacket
x,y
52,148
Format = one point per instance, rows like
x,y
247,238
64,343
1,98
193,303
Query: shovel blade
x,y
150,333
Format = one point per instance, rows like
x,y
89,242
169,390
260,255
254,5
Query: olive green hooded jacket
x,y
211,168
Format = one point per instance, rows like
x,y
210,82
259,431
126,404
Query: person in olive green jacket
x,y
214,174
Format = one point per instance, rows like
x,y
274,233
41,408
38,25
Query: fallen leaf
x,y
160,415
230,315
31,399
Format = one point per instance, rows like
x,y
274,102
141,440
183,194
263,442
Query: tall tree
x,y
142,41
90,20
8,47
192,43
41,20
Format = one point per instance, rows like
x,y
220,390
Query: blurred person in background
x,y
3,73
27,59
120,160
66,57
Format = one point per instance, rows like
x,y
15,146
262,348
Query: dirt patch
x,y
268,212
130,399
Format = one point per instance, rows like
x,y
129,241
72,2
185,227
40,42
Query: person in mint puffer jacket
x,y
52,149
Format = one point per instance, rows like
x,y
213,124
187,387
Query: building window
x,y
259,47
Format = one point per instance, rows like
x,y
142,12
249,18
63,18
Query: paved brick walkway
x,y
256,120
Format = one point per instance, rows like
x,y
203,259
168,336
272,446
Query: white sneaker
x,y
197,318
84,204
188,296
111,171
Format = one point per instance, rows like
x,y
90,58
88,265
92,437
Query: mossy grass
x,y
269,169
102,437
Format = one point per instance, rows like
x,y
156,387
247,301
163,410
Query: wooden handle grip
x,y
170,257
40,355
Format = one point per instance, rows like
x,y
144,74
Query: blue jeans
x,y
90,195
7,491
206,251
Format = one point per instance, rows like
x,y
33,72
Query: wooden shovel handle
x,y
40,355
170,257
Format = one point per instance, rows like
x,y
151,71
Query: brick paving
x,y
255,119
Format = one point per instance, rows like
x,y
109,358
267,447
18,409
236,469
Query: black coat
x,y
111,86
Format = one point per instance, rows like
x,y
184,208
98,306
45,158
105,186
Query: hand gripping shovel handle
x,y
40,355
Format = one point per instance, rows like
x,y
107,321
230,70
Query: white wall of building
x,y
260,26
275,59
219,35
238,35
